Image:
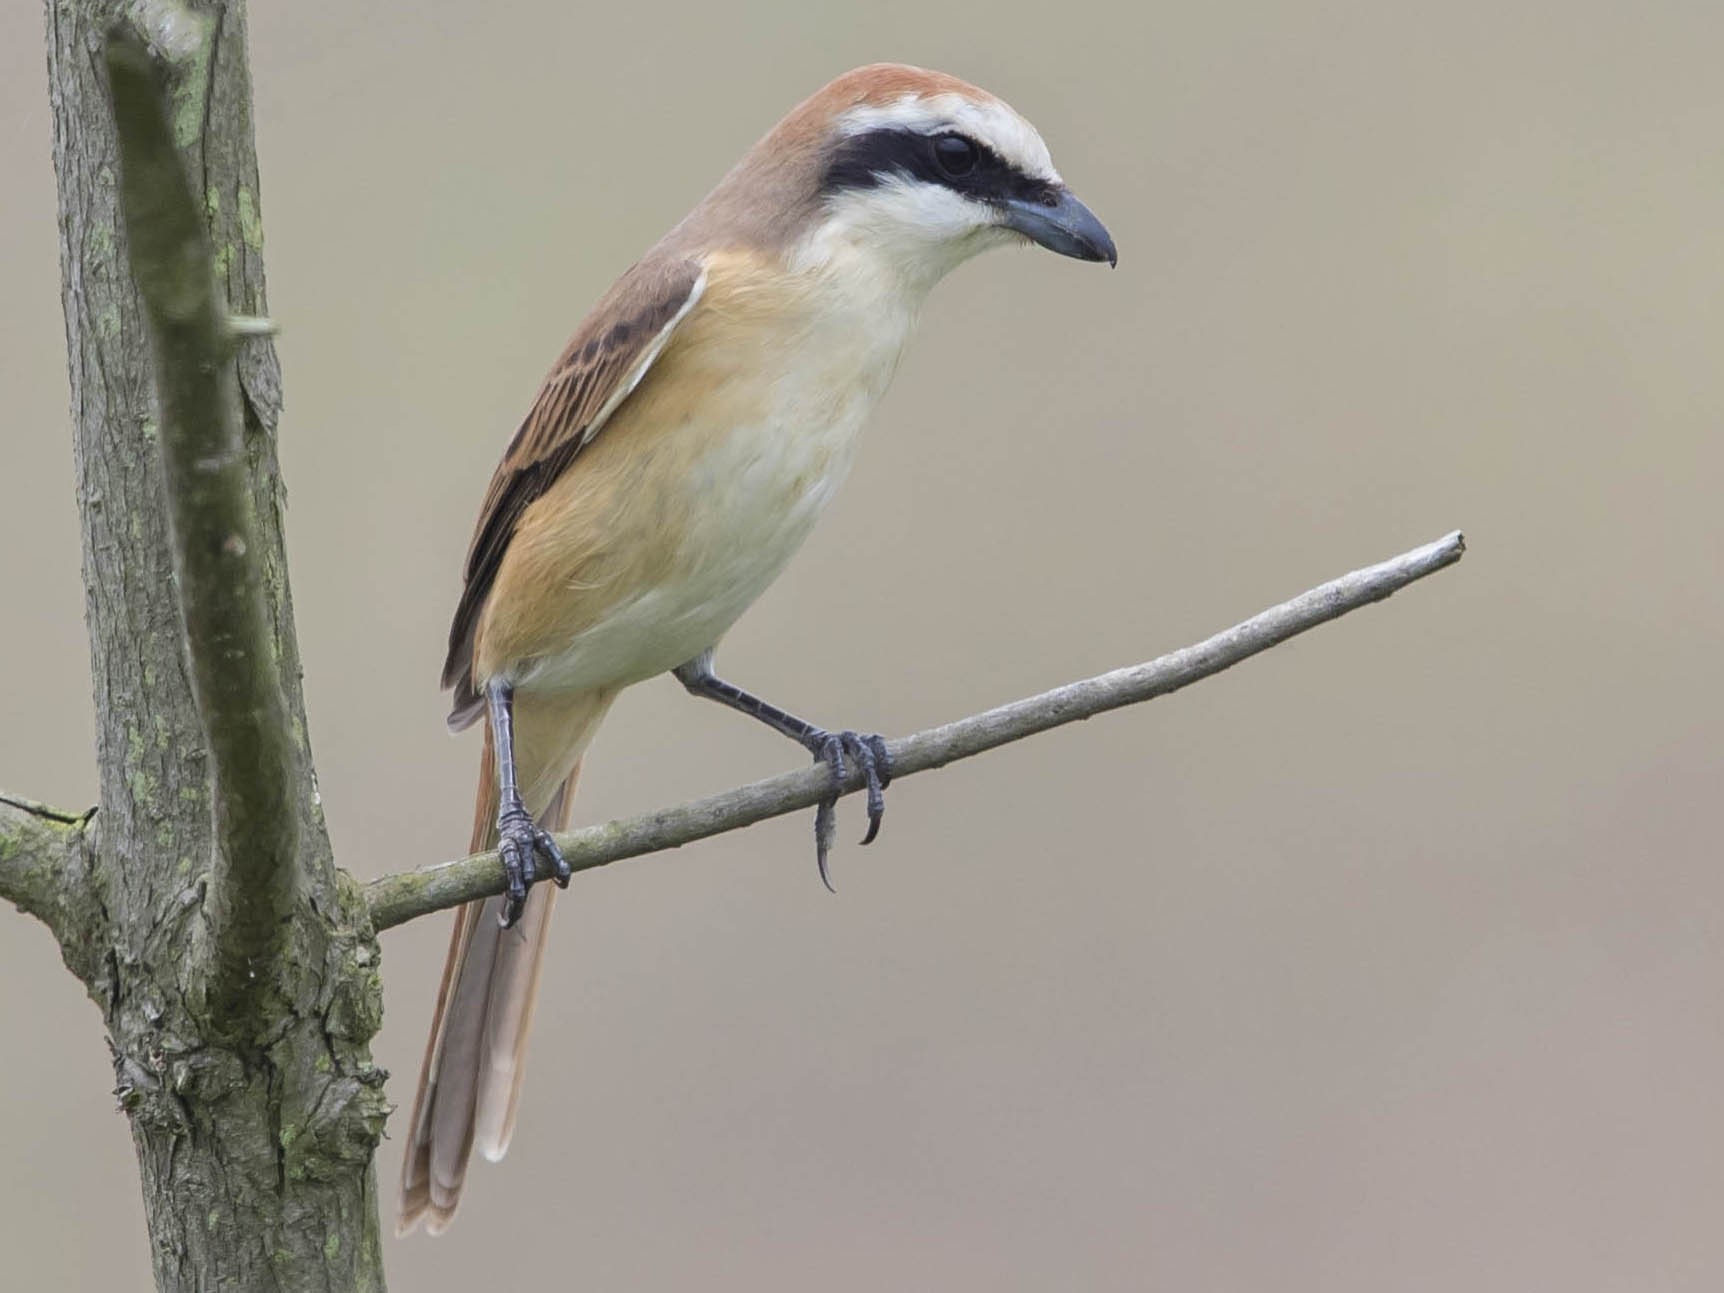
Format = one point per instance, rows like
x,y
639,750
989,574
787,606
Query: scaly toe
x,y
560,869
520,843
868,756
882,758
515,898
830,749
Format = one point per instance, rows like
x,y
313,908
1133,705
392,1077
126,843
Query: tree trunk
x,y
255,1136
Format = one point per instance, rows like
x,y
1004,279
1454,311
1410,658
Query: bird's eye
x,y
956,155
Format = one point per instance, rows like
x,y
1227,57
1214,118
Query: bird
x,y
675,457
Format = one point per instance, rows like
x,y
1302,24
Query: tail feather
x,y
514,994
470,1083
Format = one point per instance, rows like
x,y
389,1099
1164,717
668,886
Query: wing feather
x,y
600,367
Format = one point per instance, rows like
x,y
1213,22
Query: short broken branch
x,y
47,871
222,597
36,842
399,898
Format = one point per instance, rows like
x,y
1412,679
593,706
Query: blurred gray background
x,y
1392,960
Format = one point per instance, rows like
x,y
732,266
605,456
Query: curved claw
x,y
560,869
826,815
521,845
516,896
825,827
876,764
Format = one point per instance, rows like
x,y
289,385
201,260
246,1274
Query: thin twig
x,y
221,590
399,898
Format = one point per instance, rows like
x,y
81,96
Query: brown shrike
x,y
676,456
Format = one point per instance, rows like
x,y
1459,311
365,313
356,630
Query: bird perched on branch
x,y
676,456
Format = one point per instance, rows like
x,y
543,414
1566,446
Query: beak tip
x,y
1105,247
1063,225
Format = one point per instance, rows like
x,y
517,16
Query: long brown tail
x,y
470,1083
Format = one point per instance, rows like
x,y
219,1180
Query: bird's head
x,y
913,172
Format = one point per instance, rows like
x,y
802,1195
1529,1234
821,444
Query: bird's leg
x,y
831,748
520,842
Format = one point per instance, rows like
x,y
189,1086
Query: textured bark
x,y
46,869
217,555
255,1143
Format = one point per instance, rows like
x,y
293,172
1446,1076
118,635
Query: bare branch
x,y
397,899
216,552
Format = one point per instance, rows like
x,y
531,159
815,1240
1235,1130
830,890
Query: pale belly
x,y
749,501
789,377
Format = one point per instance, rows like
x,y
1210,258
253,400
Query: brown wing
x,y
604,361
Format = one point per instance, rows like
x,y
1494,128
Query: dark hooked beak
x,y
1063,224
